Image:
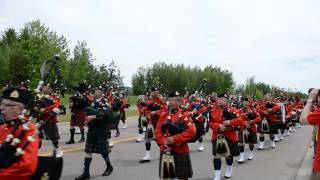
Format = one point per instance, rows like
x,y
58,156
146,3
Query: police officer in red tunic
x,y
12,166
48,114
248,130
175,128
224,123
269,115
154,106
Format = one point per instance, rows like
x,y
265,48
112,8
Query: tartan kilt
x,y
182,165
233,146
99,145
273,129
78,118
123,116
252,136
51,131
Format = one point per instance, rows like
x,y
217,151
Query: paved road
x,y
287,162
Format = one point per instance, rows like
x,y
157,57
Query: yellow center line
x,y
81,148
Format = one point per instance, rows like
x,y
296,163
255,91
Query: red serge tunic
x,y
26,165
45,116
252,122
180,140
217,120
314,119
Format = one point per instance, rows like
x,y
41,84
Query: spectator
x,y
309,117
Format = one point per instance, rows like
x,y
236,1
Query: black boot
x,y
71,141
82,136
85,174
109,169
117,134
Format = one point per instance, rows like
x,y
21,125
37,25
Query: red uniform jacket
x,y
124,104
314,119
198,114
154,119
25,167
47,114
289,109
217,119
179,145
252,122
270,116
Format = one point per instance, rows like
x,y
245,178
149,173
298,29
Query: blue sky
x,y
276,41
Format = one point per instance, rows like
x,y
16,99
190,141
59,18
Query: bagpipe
x,y
169,128
102,110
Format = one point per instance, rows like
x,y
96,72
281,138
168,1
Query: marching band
x,y
171,120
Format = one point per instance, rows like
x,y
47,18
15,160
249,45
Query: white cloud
x,y
270,39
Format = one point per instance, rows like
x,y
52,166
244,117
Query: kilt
x,y
252,136
280,125
51,131
78,118
123,116
233,146
273,129
98,145
182,165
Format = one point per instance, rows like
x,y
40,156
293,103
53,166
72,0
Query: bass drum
x,y
48,168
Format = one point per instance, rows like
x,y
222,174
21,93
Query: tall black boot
x,y
109,169
85,174
71,141
82,136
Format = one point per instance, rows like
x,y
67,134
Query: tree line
x,y
23,51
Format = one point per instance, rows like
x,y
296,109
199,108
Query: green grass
x,y
132,100
65,118
65,100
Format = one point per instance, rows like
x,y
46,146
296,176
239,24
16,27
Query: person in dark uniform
x,y
97,137
78,103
